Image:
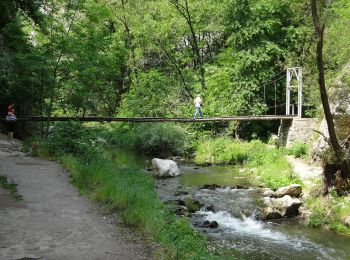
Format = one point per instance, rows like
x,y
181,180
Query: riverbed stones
x,y
165,168
177,159
210,224
346,221
182,211
181,190
204,164
211,186
267,192
280,207
293,190
304,213
209,208
239,187
190,203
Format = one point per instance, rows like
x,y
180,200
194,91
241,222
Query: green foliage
x,y
73,139
337,49
147,58
329,212
225,150
266,164
133,192
299,149
152,97
318,218
220,150
154,139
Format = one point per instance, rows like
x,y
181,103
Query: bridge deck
x,y
155,119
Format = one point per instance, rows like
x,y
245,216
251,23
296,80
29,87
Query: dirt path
x,y
53,221
309,174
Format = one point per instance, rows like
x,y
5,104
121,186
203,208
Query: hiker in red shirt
x,y
11,119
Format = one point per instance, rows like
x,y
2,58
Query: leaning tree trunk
x,y
340,172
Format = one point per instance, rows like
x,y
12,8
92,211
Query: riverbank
x,y
264,164
104,176
131,192
276,167
330,212
100,174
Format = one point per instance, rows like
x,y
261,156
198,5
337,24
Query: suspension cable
x,y
271,79
275,98
265,96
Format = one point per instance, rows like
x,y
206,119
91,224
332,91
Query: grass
x,y
12,187
132,193
328,212
299,149
266,165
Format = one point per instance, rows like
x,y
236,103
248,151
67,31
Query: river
x,y
234,211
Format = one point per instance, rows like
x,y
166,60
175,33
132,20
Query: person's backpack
x,y
11,118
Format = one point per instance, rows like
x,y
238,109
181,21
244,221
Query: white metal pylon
x,y
298,72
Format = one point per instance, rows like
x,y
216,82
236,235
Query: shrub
x,y
318,218
299,149
154,139
264,161
72,138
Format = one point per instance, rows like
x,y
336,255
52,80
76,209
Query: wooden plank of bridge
x,y
155,119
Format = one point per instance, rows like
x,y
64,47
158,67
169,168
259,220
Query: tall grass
x,y
267,164
329,212
299,149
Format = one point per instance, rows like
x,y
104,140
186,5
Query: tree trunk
x,y
340,162
185,12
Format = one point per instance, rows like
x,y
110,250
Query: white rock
x,y
281,207
293,190
268,192
164,168
346,221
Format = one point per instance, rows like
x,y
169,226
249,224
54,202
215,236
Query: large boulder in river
x,y
280,207
293,190
164,168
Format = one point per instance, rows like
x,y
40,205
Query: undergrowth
x,y
298,149
266,164
162,139
329,212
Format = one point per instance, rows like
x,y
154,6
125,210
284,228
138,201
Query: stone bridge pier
x,y
296,130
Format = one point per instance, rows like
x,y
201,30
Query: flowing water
x,y
234,212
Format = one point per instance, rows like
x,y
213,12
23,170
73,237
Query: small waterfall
x,y
256,236
236,212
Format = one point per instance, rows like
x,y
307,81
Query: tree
x,y
341,165
183,8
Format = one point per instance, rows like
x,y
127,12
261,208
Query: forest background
x,y
150,58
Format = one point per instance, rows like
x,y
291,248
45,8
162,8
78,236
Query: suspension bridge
x,y
288,112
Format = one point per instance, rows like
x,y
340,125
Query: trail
x,y
308,173
53,221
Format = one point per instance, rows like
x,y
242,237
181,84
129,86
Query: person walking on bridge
x,y
197,106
